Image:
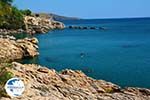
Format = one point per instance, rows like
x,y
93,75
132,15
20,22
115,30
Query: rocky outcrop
x,y
87,27
34,25
11,49
11,31
42,83
41,25
7,37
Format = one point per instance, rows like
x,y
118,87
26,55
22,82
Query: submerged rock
x,y
102,28
46,84
93,28
11,49
85,27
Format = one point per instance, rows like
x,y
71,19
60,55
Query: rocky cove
x,y
42,83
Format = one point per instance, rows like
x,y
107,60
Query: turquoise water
x,y
120,54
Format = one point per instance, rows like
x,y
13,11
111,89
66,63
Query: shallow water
x,y
120,54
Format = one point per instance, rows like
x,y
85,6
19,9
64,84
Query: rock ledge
x,y
46,84
12,49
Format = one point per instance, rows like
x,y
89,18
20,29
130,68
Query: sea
x,y
119,54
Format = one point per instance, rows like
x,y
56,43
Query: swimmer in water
x,y
82,55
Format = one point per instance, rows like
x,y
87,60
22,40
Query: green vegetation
x,y
10,16
5,75
109,90
26,12
7,1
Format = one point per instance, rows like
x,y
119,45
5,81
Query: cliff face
x,y
41,25
12,49
44,84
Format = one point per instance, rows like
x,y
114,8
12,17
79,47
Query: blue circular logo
x,y
14,87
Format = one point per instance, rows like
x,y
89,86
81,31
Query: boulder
x,y
93,28
11,49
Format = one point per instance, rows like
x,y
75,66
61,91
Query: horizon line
x,y
117,18
132,17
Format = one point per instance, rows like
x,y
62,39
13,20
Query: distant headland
x,y
57,17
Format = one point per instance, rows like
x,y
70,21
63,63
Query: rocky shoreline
x,y
12,49
42,83
35,25
41,24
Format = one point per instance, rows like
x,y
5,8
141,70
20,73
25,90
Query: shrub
x,y
5,75
26,12
7,1
10,17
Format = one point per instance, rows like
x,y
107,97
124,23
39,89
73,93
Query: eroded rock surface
x,y
41,25
42,83
11,49
34,25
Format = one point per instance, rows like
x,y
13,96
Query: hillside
x,y
55,16
58,17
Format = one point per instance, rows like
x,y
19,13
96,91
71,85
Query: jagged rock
x,y
11,31
17,49
35,25
41,25
46,84
8,37
137,91
83,27
93,28
43,70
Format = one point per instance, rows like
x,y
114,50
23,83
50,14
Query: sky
x,y
89,8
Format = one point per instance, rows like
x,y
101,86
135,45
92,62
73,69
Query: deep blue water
x,y
120,54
